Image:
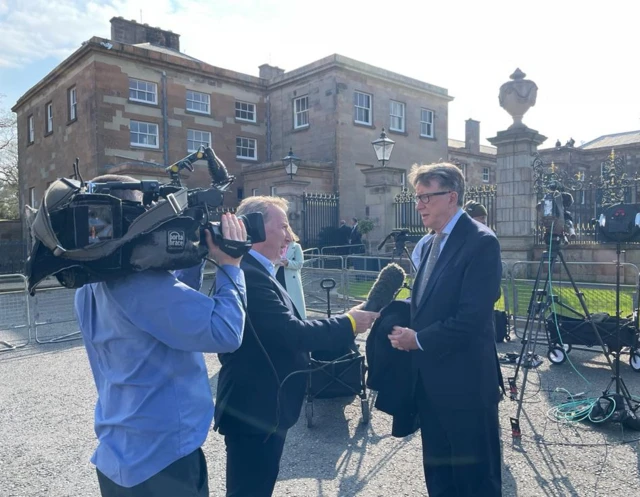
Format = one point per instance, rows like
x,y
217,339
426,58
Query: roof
x,y
165,50
484,149
612,141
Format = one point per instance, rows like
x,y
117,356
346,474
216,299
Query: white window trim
x,y
370,109
207,112
254,192
242,118
274,191
433,128
32,197
145,145
255,149
297,113
488,171
401,117
190,150
31,137
72,96
154,92
49,117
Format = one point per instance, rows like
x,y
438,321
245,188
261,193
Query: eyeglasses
x,y
426,197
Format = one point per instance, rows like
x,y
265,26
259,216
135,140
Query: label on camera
x,y
176,241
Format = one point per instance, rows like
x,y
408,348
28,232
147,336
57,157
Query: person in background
x,y
289,275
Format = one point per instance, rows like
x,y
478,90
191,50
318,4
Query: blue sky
x,y
581,55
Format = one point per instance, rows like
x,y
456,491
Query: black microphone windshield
x,y
385,287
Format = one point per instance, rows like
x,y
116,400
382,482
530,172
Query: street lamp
x,y
290,163
383,147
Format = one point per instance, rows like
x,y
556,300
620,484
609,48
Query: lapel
x,y
249,259
452,246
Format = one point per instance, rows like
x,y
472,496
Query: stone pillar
x,y
382,184
292,190
516,199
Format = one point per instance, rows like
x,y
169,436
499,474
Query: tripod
x,y
621,390
542,300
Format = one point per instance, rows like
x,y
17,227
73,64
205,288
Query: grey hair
x,y
261,204
447,175
131,195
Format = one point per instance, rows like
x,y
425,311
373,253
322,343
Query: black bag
x,y
501,324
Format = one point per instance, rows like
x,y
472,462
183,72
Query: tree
x,y
9,205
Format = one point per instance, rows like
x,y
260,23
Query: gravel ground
x,y
46,437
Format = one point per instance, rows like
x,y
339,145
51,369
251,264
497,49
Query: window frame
x,y
254,112
488,174
32,196
31,130
48,118
187,100
356,107
72,104
255,148
403,117
254,192
433,118
144,145
297,113
190,150
141,101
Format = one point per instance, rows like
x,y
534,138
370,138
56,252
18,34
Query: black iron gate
x,y
320,212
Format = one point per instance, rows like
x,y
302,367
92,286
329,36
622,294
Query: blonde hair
x,y
261,204
293,236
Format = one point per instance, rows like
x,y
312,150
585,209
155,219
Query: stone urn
x,y
517,97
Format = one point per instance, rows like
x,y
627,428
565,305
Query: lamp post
x,y
383,147
290,163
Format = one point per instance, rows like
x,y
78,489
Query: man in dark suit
x,y
355,237
451,341
261,386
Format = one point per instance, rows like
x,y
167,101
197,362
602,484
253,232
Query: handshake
x,y
363,319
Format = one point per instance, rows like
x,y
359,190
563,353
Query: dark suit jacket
x,y
454,319
390,370
355,238
344,233
249,399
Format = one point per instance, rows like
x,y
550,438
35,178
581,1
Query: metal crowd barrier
x,y
522,280
54,315
15,319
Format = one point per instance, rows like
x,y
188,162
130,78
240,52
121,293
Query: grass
x,y
597,299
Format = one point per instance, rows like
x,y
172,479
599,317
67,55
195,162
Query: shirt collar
x,y
452,222
268,265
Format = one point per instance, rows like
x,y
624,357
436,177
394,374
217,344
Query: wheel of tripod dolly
x,y
557,355
634,360
567,347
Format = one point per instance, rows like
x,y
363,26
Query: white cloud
x,y
580,58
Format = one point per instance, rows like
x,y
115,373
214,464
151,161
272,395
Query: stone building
x,y
135,103
478,162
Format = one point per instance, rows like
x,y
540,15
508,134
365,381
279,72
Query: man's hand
x,y
363,319
403,339
232,229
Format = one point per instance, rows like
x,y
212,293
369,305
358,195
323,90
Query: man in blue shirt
x,y
145,334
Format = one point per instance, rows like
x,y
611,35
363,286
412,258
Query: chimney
x,y
132,33
270,72
472,136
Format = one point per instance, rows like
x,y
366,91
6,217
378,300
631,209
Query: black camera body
x,y
83,233
620,223
553,211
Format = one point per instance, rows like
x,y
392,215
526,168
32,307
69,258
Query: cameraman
x,y
144,334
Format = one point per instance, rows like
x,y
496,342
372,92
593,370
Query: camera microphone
x,y
385,287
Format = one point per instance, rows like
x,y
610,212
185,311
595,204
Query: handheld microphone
x,y
385,287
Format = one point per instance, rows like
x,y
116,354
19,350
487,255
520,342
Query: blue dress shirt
x,y
145,334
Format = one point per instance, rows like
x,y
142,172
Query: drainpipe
x,y
165,120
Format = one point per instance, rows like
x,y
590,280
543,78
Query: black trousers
x,y
253,463
460,449
187,477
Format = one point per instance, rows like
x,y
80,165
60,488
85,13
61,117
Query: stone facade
x,y
334,148
478,162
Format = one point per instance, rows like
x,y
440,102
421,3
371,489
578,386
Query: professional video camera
x,y
82,233
620,223
554,214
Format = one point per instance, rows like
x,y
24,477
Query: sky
x,y
582,55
